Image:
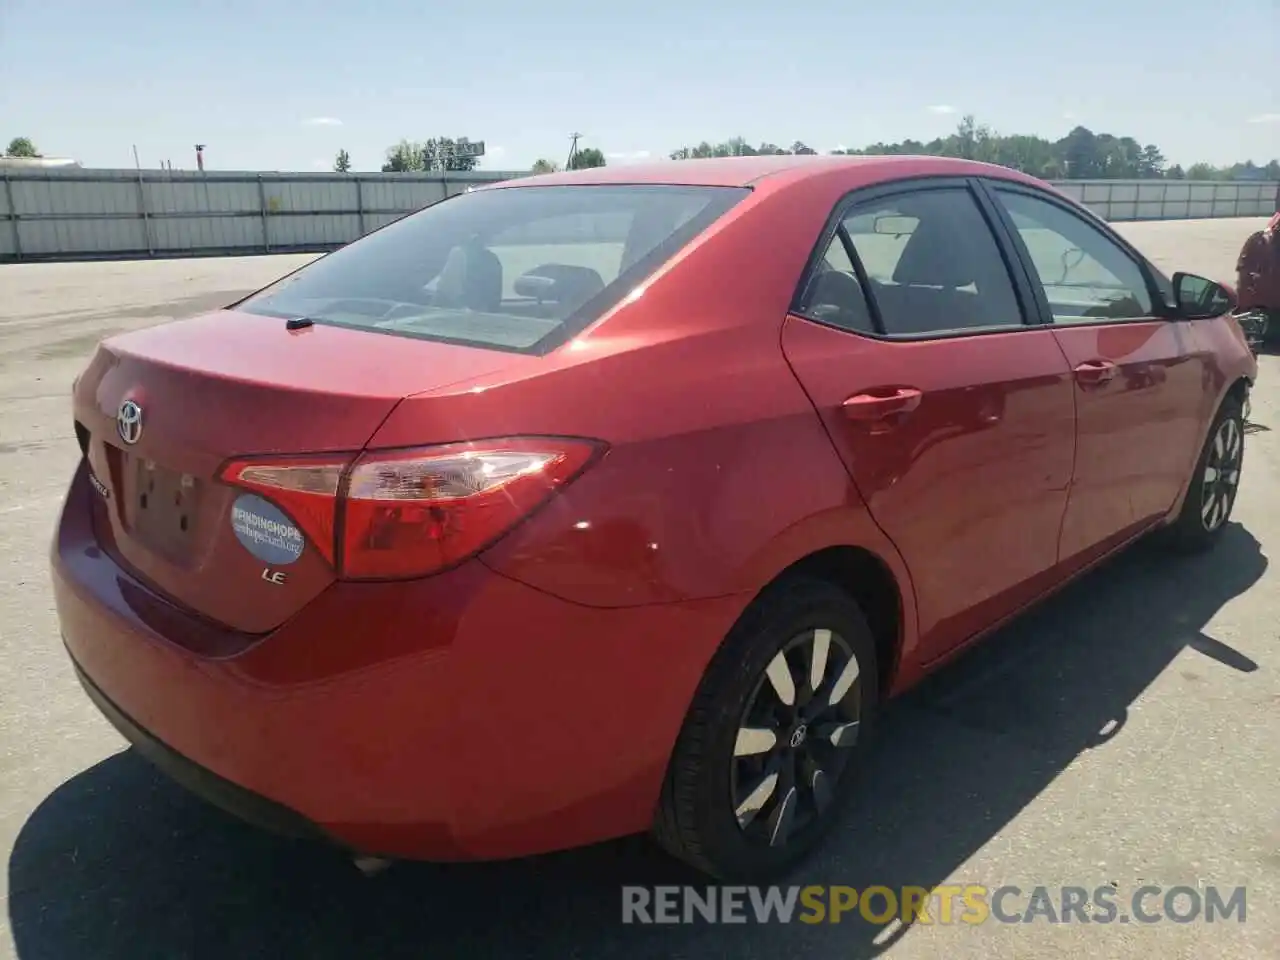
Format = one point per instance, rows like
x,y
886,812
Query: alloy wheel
x,y
1221,474
794,738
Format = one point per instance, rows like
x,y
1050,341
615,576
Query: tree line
x,y
433,155
1080,155
449,154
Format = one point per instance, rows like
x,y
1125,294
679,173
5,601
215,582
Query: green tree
x,y
404,157
588,157
342,162
434,155
1152,163
733,147
21,147
446,153
1081,154
544,166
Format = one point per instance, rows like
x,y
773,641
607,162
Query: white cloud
x,y
494,151
1068,115
942,108
323,122
1266,118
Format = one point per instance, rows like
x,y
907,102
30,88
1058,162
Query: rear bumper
x,y
234,799
464,716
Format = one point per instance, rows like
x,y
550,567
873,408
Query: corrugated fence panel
x,y
401,196
187,196
372,221
103,237
77,213
8,228
325,196
196,234
60,199
312,231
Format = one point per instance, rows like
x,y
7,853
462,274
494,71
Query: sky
x,y
270,85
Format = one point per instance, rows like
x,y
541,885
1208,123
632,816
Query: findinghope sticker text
x,y
264,530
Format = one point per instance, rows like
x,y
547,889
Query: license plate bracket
x,y
162,506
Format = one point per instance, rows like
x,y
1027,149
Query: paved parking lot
x,y
1127,732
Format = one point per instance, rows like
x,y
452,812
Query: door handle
x,y
1095,372
879,404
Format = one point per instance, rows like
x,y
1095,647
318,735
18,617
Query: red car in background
x,y
1258,281
619,500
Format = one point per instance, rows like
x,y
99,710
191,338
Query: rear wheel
x,y
770,745
1212,493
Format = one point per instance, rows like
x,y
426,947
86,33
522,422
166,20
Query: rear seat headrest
x,y
559,283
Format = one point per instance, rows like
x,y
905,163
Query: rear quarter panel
x,y
719,473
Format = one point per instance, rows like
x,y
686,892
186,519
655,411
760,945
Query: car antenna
x,y
299,323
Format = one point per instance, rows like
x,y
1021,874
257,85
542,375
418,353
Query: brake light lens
x,y
409,513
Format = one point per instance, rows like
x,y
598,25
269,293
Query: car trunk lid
x,y
159,411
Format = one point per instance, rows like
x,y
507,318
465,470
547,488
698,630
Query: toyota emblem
x,y
129,422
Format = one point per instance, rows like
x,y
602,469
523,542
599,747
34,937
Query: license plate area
x,y
161,507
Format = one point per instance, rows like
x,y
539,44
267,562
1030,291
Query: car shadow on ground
x,y
119,863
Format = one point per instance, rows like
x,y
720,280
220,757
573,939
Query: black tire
x,y
698,814
1211,495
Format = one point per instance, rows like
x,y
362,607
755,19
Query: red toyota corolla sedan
x,y
617,500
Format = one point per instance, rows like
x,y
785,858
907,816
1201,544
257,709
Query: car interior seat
x,y
471,279
561,287
836,297
927,292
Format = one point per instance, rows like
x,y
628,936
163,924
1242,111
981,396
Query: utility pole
x,y
573,150
200,157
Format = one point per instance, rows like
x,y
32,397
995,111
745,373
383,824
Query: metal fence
x,y
68,214
1120,200
86,214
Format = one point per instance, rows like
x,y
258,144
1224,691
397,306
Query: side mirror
x,y
1201,299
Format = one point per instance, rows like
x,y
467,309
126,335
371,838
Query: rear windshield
x,y
514,268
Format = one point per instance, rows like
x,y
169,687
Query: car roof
x,y
748,171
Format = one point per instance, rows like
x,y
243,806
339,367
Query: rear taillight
x,y
306,488
408,513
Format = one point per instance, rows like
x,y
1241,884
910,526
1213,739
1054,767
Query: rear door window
x,y
517,268
932,263
833,294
